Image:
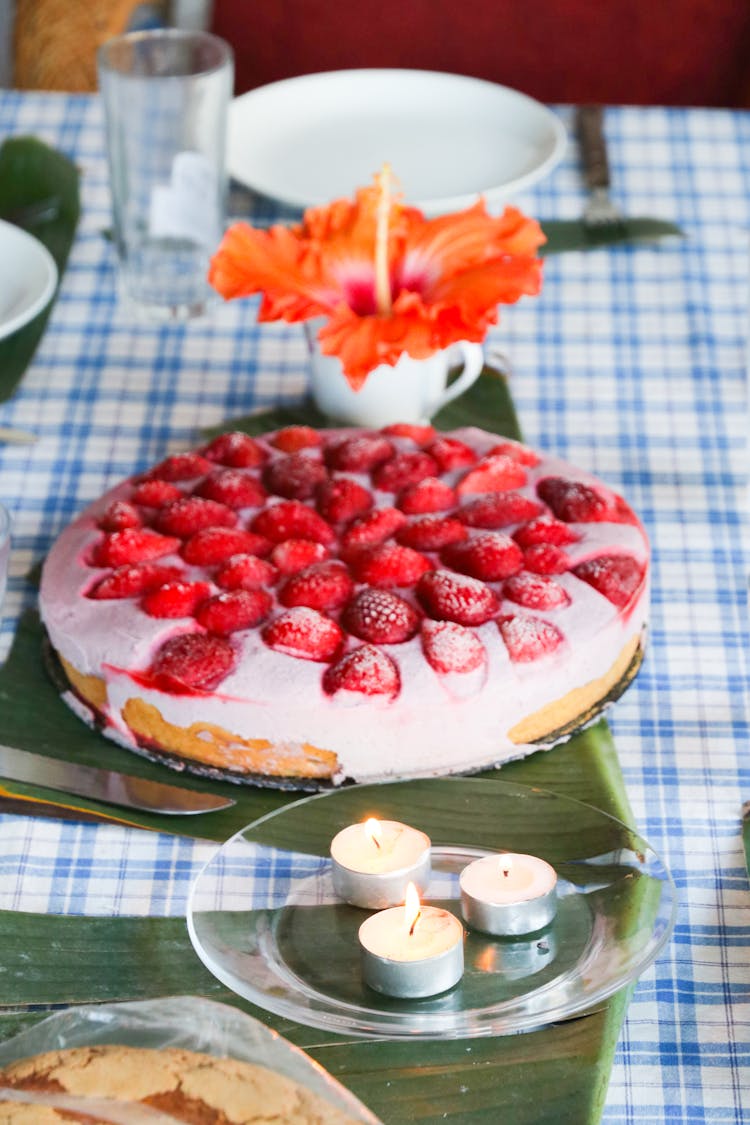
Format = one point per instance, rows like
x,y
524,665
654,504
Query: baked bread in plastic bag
x,y
172,1081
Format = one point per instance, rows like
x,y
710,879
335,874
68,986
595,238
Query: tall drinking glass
x,y
165,96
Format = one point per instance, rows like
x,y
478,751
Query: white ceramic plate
x,y
448,138
28,276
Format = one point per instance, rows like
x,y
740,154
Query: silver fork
x,y
599,211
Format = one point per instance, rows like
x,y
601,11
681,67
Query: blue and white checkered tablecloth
x,y
632,363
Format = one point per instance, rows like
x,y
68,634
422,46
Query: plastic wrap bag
x,y
189,1022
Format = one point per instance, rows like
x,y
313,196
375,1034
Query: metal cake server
x,y
107,785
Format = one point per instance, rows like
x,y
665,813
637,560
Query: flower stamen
x,y
383,299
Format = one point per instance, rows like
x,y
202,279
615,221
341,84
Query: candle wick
x,y
376,842
506,872
414,923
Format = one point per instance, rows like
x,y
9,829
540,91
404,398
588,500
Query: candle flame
x,y
506,865
374,830
412,908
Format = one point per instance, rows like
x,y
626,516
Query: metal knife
x,y
108,786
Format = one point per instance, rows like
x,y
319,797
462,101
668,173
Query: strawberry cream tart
x,y
313,607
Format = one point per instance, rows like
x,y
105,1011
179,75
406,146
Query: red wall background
x,y
669,52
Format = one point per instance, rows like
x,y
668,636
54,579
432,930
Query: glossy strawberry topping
x,y
333,546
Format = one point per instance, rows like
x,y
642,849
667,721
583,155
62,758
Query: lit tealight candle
x,y
412,950
373,862
508,894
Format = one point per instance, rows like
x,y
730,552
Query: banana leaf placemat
x,y
39,192
35,719
559,1073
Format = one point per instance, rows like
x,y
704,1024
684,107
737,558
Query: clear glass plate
x,y
265,921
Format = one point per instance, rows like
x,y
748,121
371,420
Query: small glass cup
x,y
4,550
166,95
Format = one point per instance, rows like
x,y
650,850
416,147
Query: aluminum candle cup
x,y
374,862
412,959
508,894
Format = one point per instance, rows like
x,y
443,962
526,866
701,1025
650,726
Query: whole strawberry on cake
x,y
316,607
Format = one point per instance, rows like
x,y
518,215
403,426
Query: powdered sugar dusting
x,y
535,591
456,597
305,633
528,638
489,555
450,647
617,577
367,670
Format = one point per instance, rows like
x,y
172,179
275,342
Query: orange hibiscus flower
x,y
386,279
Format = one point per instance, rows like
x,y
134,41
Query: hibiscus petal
x,y
438,248
364,343
485,286
343,234
277,263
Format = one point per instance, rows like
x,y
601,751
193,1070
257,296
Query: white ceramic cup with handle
x,y
412,390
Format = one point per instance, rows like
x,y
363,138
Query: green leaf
x,y
557,1074
574,234
31,172
486,404
438,807
263,421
